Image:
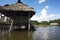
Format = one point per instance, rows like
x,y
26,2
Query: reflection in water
x,y
47,33
42,33
17,35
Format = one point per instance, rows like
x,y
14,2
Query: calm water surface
x,y
47,33
41,33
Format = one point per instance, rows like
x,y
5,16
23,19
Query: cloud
x,y
44,15
44,11
41,1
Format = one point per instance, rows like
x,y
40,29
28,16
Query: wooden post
x,y
29,22
29,25
0,16
11,26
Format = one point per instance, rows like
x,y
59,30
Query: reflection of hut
x,y
18,12
54,24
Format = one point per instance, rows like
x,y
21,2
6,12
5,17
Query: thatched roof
x,y
16,7
19,7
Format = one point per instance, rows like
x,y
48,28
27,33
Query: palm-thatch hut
x,y
19,12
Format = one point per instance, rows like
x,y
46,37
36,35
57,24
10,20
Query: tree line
x,y
46,22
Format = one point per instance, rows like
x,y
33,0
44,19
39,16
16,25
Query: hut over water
x,y
20,13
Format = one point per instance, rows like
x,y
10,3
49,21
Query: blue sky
x,y
45,9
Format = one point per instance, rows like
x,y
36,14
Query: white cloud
x,y
44,15
44,11
41,1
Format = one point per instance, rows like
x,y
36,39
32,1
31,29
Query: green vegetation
x,y
44,23
55,21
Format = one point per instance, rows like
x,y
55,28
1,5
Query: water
x,y
47,33
41,33
16,35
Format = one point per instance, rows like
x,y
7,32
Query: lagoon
x,y
41,33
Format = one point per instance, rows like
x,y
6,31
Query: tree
x,y
44,23
35,22
55,21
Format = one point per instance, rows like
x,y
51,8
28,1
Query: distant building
x,y
54,24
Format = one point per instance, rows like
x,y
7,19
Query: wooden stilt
x,y
29,25
29,22
11,26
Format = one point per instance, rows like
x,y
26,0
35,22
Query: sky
x,y
45,9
